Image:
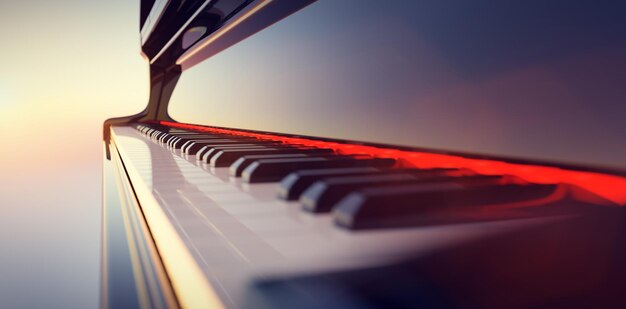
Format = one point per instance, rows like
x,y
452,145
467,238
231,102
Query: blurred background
x,y
65,66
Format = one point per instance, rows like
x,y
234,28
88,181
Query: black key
x,y
213,150
195,146
295,183
156,129
275,169
324,194
180,139
193,135
261,145
240,164
209,140
177,144
237,168
145,129
243,142
171,139
171,136
177,131
202,150
166,138
157,135
429,203
227,157
163,136
200,153
189,133
199,148
181,142
209,154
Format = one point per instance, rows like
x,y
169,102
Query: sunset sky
x,y
65,66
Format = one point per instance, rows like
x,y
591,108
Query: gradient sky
x,y
65,66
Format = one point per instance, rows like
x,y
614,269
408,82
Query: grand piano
x,y
365,154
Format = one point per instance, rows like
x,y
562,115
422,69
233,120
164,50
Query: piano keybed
x,y
282,210
363,191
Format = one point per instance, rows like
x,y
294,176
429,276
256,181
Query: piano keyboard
x,y
360,190
249,209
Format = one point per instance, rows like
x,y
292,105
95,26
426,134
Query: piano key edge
x,y
190,287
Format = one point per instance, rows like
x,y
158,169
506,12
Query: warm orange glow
x,y
611,188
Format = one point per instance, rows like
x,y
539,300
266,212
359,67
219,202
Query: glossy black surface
x,y
226,157
432,203
184,22
322,195
238,166
295,183
275,169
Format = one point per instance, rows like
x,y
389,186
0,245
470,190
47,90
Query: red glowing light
x,y
609,190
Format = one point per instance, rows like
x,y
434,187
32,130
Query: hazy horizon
x,y
65,66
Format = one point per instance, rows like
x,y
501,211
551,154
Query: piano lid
x,y
171,29
529,80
